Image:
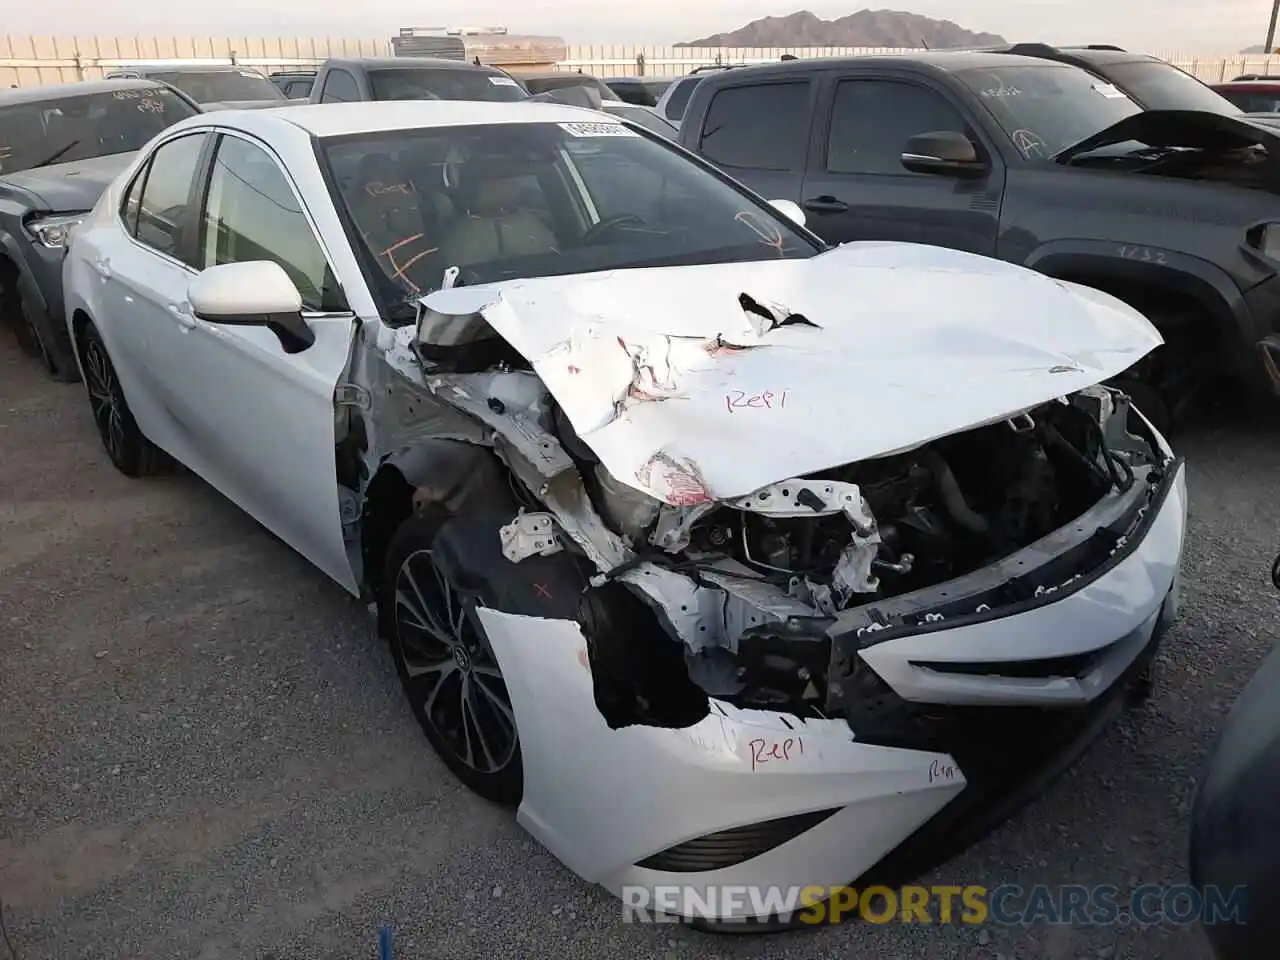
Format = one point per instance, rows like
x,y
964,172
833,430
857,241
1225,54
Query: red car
x,y
1252,94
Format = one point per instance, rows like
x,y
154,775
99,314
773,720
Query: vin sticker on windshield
x,y
1108,90
580,129
503,82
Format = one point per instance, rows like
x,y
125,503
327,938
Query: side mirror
x,y
944,152
789,209
256,293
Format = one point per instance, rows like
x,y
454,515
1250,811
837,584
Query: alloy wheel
x,y
453,680
104,401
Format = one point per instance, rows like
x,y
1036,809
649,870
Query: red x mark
x,y
542,590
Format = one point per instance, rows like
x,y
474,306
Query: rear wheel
x,y
131,452
447,668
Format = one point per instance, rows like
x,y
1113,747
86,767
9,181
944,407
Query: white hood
x,y
911,343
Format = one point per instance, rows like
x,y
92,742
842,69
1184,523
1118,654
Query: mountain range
x,y
866,28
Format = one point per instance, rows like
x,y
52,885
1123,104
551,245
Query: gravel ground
x,y
204,753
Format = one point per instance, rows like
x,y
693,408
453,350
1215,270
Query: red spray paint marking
x,y
763,752
740,400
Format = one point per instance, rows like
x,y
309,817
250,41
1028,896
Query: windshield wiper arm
x,y
56,155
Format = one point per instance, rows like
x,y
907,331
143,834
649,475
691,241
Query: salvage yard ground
x,y
204,751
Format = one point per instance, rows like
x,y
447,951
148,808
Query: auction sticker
x,y
503,82
586,129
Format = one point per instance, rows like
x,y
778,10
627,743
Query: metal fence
x,y
32,61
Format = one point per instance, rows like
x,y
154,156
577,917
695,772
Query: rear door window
x,y
761,126
164,212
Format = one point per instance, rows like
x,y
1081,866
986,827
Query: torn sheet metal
x,y
687,395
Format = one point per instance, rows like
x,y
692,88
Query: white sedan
x,y
728,558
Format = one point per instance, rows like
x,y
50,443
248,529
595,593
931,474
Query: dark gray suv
x,y
60,146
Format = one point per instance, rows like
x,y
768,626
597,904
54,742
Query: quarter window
x,y
129,205
339,87
253,214
872,120
763,126
163,210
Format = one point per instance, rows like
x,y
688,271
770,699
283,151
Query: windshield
x,y
643,117
220,86
418,83
503,201
1162,86
61,130
1046,108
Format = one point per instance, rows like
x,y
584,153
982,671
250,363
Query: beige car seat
x,y
496,227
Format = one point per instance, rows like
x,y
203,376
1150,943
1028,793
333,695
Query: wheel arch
x,y
1137,282
431,471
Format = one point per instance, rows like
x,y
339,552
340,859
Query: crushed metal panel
x,y
685,394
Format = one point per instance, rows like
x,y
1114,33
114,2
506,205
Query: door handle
x,y
180,312
103,267
825,204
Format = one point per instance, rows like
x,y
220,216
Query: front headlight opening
x,y
52,231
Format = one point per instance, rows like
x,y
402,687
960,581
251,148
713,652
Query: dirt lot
x,y
204,753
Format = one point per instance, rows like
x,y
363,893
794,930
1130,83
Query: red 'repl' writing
x,y
736,400
762,751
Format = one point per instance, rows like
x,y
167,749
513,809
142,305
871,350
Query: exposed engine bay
x,y
729,578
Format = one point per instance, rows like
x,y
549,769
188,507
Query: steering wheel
x,y
596,231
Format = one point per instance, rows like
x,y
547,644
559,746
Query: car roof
x,y
1098,54
387,63
339,119
638,79
192,68
57,91
944,61
1268,84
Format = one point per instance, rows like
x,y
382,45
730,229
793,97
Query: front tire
x,y
447,667
131,453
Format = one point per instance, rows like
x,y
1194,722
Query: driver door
x,y
263,419
856,187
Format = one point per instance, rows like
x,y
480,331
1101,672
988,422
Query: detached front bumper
x,y
753,798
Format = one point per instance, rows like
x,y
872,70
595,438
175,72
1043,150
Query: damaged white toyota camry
x,y
729,558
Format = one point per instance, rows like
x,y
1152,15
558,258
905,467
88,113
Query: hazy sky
x,y
1157,26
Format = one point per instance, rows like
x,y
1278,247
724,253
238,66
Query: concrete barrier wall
x,y
31,61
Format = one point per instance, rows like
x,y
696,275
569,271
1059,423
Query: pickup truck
x,y
1036,162
356,80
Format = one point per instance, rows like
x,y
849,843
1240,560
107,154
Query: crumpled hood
x,y
1182,128
70,186
676,382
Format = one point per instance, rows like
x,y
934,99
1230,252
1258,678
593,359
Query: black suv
x,y
1036,162
1152,83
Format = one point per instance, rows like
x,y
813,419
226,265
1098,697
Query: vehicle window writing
x,y
1047,107
65,129
504,201
763,126
253,214
220,86
339,87
162,213
447,84
872,120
